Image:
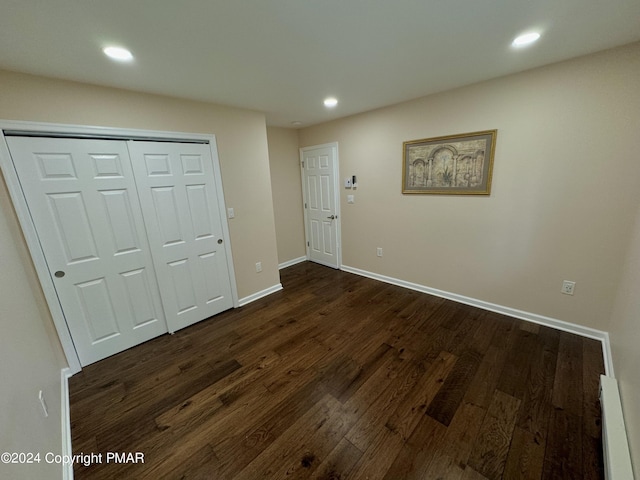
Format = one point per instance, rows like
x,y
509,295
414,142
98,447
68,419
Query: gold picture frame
x,y
451,165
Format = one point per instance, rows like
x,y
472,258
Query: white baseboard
x,y
616,455
263,293
599,335
65,415
608,358
290,263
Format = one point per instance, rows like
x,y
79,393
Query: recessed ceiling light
x,y
330,102
525,39
118,53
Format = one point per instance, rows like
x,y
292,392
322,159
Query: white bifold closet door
x,y
84,204
130,232
181,211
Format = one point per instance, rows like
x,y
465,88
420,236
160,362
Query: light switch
x,y
351,199
347,182
230,213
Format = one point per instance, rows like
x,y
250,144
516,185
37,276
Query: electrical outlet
x,y
568,287
379,251
258,267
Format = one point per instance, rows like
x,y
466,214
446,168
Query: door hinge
x,y
307,244
302,163
305,204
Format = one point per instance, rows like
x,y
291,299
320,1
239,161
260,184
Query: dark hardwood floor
x,y
343,377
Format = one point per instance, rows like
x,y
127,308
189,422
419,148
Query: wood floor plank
x,y
198,465
530,327
292,377
301,448
568,383
418,451
249,443
458,442
339,463
536,404
465,333
563,454
378,457
238,450
514,376
404,375
444,466
485,381
413,318
492,445
592,461
336,377
471,474
593,367
167,449
445,404
481,339
405,417
238,397
371,365
150,398
526,456
435,337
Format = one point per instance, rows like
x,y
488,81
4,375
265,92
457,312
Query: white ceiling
x,y
282,57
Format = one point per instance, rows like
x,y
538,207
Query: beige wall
x,y
564,197
31,357
284,161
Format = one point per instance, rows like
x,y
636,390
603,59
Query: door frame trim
x,y
28,227
336,186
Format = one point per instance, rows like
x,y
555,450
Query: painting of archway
x,y
455,164
418,173
443,166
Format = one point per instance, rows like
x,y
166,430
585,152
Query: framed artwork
x,y
452,165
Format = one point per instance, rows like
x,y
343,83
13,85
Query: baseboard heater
x,y
617,459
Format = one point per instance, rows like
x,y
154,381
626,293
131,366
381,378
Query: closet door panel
x,y
83,201
177,192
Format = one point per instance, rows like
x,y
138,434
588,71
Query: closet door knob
x,y
59,274
219,241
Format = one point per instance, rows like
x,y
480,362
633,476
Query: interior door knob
x,y
219,241
332,217
59,274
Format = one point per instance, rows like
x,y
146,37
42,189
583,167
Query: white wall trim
x,y
592,333
65,415
615,445
258,295
608,358
290,263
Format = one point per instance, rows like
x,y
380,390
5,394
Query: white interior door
x,y
181,210
82,198
322,225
